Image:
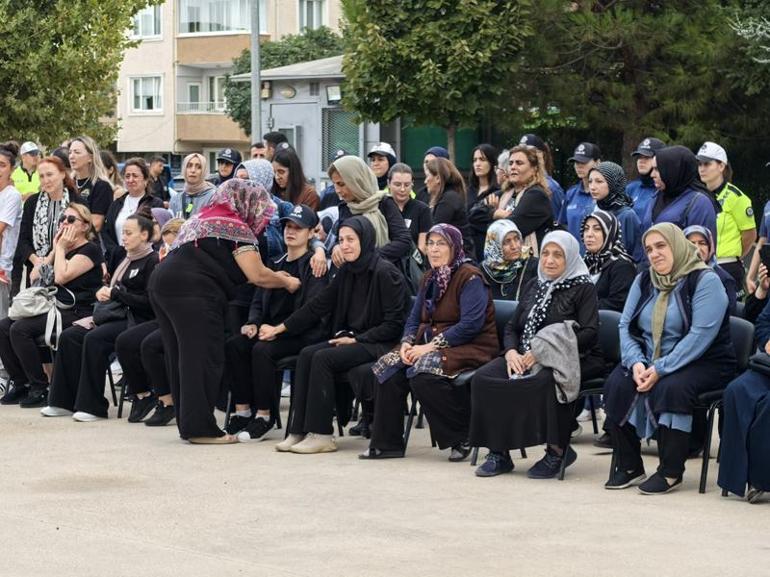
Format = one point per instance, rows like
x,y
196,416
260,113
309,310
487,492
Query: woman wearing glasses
x,y
76,262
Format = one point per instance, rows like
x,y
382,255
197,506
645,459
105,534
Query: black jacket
x,y
614,283
132,289
533,213
513,290
400,239
452,209
25,247
114,253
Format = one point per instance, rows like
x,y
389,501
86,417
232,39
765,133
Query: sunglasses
x,y
69,218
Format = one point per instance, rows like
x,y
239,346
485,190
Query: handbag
x,y
37,300
760,362
109,311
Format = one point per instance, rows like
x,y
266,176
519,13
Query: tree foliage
x,y
311,45
438,62
60,63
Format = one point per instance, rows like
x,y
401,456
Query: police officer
x,y
227,160
642,190
578,202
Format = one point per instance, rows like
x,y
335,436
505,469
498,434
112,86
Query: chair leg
x,y
340,431
229,408
356,406
474,456
122,398
408,427
593,414
420,419
523,453
275,411
724,492
112,386
704,470
564,462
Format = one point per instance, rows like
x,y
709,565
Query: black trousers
x,y
673,447
192,328
446,406
80,366
21,356
735,269
251,363
128,348
313,392
154,363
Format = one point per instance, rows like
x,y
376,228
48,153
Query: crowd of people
x,y
372,290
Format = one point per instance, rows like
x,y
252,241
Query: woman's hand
x,y
492,200
104,294
269,332
34,274
341,341
502,213
417,351
767,347
65,238
318,264
529,360
515,363
406,347
763,285
337,256
647,379
249,331
291,283
637,370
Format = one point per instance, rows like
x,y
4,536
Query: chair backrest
x,y
742,335
609,336
504,310
740,309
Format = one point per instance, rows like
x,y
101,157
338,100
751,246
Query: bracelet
x,y
243,249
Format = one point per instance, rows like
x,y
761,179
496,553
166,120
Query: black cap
x,y
339,153
533,140
648,147
585,152
229,155
303,216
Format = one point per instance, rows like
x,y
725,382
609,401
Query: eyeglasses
x,y
437,244
71,219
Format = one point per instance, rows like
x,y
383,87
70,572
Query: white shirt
x,y
129,207
10,214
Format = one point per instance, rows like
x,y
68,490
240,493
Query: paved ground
x,y
111,498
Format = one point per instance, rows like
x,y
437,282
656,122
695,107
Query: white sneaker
x,y
576,432
315,443
585,415
50,411
286,390
83,417
286,445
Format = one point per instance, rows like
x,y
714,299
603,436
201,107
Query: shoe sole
x,y
247,438
313,452
65,413
754,496
484,474
223,440
170,422
671,488
382,455
635,481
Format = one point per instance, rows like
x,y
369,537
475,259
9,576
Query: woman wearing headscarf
x,y
675,344
215,252
508,266
450,329
701,237
366,302
356,185
611,268
682,198
197,191
513,407
607,185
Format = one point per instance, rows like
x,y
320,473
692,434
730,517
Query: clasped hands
x,y
644,377
519,364
410,353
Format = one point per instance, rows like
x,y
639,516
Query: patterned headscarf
x,y
500,270
260,172
612,248
706,233
441,276
616,183
575,273
238,211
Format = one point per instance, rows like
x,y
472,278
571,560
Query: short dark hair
x,y
258,144
157,159
275,138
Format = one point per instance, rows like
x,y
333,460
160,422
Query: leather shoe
x,y
14,394
372,453
35,398
360,429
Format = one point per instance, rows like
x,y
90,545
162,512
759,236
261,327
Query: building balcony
x,y
201,122
208,50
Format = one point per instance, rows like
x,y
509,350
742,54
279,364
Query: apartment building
x,y
171,85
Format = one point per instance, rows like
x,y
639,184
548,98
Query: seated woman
x,y
85,348
611,268
252,361
701,237
512,408
744,468
450,329
675,344
508,266
367,304
77,267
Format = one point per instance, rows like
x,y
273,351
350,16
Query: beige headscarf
x,y
360,179
686,260
203,185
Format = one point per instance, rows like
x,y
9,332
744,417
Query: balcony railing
x,y
200,107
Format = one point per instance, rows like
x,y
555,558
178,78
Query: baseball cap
x,y
29,147
533,140
585,152
229,155
302,215
382,149
711,151
339,153
437,151
648,147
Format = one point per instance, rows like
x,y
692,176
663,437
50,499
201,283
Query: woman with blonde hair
x,y
91,178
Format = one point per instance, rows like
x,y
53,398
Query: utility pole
x,y
256,82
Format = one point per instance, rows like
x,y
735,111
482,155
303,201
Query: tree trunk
x,y
451,136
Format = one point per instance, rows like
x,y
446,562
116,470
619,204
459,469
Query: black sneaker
x,y
361,429
604,441
35,398
14,394
549,466
140,408
625,479
162,416
460,452
256,430
658,485
495,464
237,424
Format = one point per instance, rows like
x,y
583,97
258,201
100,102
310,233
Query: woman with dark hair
x,y
367,302
137,176
290,182
111,166
451,328
215,252
91,177
76,261
483,194
508,266
85,348
446,188
10,218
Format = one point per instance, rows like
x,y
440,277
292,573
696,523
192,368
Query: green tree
x,y
60,63
311,45
439,62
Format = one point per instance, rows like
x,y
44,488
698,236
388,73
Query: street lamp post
x,y
256,83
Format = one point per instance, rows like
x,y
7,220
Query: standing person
x,y
272,141
607,185
508,265
381,158
417,215
257,150
10,220
528,202
290,182
433,152
25,177
197,190
447,198
642,190
216,252
227,160
578,201
546,159
736,228
91,178
483,195
111,166
158,185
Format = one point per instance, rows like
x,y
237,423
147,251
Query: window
x,y
217,92
194,96
311,14
147,94
338,130
147,23
213,16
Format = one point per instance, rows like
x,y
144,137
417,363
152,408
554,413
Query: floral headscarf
x,y
260,172
441,276
500,270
